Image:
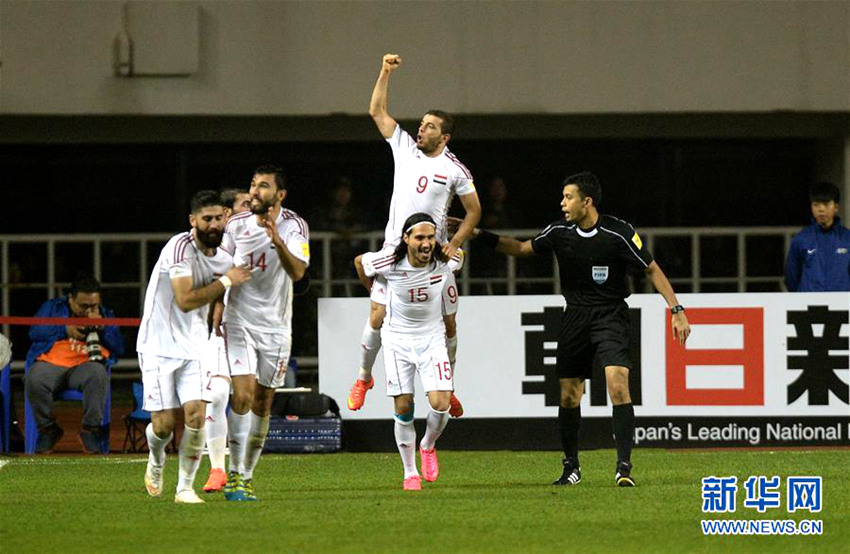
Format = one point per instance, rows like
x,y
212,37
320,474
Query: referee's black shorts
x,y
587,331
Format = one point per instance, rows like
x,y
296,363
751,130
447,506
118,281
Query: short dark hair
x,y
588,185
416,219
277,171
84,282
228,197
824,191
448,125
203,199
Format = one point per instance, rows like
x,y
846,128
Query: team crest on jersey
x,y
600,274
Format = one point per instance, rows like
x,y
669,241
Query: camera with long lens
x,y
93,346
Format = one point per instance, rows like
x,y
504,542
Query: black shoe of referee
x,y
624,474
572,473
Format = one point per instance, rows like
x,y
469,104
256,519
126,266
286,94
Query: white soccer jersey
x,y
166,330
265,302
417,297
423,184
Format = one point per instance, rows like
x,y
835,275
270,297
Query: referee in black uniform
x,y
594,253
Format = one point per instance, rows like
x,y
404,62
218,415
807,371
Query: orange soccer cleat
x,y
455,407
216,480
357,396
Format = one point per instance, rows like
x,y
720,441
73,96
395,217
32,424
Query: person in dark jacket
x,y
819,256
71,357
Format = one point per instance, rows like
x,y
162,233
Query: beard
x,y
211,238
262,208
427,146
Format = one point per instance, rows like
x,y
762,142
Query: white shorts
x,y
427,356
171,382
261,353
214,358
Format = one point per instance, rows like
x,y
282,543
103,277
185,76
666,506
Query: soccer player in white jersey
x,y
420,290
192,271
427,177
274,242
216,373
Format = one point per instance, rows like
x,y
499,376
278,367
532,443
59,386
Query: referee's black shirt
x,y
593,263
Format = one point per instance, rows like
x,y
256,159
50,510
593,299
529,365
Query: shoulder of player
x,y
179,247
381,261
455,166
237,221
288,217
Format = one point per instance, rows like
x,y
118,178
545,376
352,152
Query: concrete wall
x,y
314,58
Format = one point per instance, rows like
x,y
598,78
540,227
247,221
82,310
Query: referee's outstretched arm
x,y
506,245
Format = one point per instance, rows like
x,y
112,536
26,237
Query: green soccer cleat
x,y
234,489
248,487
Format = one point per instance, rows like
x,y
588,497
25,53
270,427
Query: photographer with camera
x,y
71,357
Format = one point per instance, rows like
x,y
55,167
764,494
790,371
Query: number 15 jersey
x,y
417,297
423,184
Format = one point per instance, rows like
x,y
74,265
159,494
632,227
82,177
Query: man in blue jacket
x,y
71,357
819,256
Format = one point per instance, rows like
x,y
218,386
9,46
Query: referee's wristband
x,y
677,309
491,240
225,280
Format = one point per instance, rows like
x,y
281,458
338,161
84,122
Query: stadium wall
x,y
759,370
319,58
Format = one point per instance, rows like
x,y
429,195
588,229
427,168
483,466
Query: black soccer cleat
x,y
572,473
624,475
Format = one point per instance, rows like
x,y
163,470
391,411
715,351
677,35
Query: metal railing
x,y
43,271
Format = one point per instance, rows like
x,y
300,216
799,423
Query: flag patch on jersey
x,y
440,179
637,241
436,279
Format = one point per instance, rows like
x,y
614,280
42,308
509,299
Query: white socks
x,y
156,446
370,344
191,447
238,425
216,421
405,438
434,425
259,428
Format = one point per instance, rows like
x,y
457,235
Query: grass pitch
x,y
482,502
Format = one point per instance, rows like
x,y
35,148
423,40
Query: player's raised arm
x,y
378,103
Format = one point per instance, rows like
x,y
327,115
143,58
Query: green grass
x,y
483,502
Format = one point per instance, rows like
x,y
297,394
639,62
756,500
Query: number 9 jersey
x,y
417,297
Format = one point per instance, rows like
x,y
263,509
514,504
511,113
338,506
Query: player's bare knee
x,y
403,404
162,423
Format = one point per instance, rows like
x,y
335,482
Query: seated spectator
x,y
819,255
71,357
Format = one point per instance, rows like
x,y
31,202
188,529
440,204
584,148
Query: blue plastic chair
x,y
6,414
136,421
31,429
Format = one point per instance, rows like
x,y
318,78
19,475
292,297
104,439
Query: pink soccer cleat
x,y
430,467
413,483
